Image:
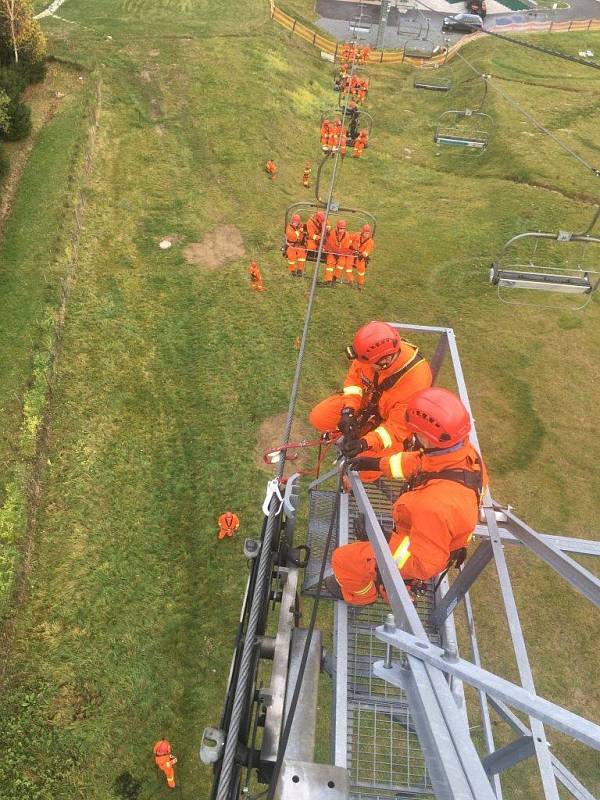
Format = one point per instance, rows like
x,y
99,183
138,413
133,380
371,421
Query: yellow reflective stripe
x,y
402,553
367,588
384,436
396,466
353,390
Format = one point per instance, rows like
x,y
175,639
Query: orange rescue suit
x,y
364,246
165,760
256,281
338,247
430,522
314,231
296,252
359,384
228,524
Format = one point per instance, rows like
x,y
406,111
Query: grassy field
x,y
166,369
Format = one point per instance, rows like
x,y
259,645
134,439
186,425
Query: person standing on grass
x,y
271,168
256,281
306,175
165,761
228,524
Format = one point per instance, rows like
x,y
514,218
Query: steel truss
x,y
420,668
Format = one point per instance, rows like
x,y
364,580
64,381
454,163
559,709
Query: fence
x,y
331,46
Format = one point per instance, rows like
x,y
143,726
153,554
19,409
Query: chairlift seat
x,y
441,85
461,141
518,279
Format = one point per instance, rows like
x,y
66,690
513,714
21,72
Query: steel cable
x,y
264,566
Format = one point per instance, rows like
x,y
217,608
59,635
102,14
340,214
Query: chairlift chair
x,y
355,218
509,272
364,120
465,130
433,84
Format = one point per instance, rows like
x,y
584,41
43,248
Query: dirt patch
x,y
270,435
145,75
220,246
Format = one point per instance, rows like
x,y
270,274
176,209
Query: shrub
x,y
33,72
20,121
3,163
12,80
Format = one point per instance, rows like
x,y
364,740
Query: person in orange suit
x,y
363,245
338,247
370,411
435,518
271,168
228,524
343,140
314,231
364,55
306,175
165,760
325,132
295,237
256,281
361,141
362,90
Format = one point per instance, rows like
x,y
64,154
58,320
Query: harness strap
x,y
372,410
472,480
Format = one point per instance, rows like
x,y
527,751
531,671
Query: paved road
x,y
427,25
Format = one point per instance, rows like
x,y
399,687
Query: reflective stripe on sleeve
x,y
396,466
367,588
386,439
402,552
357,390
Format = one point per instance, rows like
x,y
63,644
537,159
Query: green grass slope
x,y
167,369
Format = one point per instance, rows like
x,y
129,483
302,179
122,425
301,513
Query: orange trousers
x,y
165,763
296,258
358,148
336,265
325,417
361,269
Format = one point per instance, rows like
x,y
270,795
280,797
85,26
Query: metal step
x,y
373,737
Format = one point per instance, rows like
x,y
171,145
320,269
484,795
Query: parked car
x,y
476,7
463,22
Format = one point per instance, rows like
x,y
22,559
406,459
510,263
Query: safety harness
x,y
370,414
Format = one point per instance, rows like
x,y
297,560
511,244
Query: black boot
x,y
332,588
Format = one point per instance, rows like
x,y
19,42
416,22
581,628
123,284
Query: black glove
x,y
348,423
365,463
352,447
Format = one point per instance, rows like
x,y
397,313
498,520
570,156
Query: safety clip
x,y
272,490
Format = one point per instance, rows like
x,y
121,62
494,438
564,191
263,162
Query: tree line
x,y
22,61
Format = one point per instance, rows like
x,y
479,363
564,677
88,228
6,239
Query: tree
x,y
20,32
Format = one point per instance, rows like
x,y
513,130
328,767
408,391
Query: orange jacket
x,y
294,237
314,231
359,385
229,522
363,246
436,518
341,245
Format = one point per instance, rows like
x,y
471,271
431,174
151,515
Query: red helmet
x,y
366,229
375,341
320,216
439,415
295,220
341,224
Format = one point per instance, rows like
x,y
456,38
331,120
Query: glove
x,y
352,447
348,422
365,463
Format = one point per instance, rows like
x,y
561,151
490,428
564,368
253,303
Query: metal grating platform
x,y
380,747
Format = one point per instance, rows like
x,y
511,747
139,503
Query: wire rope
x,y
511,101
264,566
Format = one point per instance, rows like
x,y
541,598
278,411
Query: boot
x,y
332,588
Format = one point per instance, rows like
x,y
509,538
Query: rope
x,y
531,119
264,566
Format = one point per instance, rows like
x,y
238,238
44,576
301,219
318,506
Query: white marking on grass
x,y
48,12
